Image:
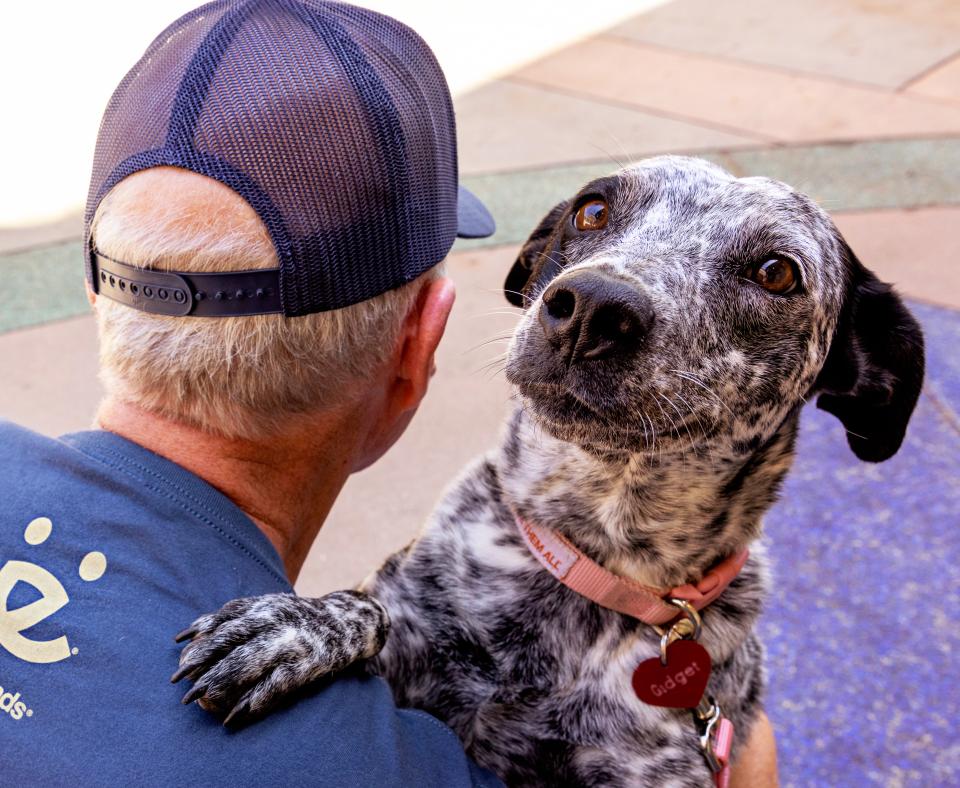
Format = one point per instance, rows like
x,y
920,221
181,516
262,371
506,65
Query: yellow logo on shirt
x,y
53,596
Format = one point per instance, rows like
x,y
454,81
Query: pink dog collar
x,y
572,568
722,745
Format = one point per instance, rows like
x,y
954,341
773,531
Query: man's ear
x,y
874,371
528,261
423,331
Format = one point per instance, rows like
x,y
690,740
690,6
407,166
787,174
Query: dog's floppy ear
x,y
874,370
527,261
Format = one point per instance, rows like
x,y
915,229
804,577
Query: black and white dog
x,y
677,319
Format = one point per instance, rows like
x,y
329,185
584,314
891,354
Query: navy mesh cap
x,y
336,125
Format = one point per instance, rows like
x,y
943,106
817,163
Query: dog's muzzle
x,y
590,315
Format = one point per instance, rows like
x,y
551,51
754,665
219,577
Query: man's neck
x,y
286,483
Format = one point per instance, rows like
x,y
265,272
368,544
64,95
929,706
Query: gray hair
x,y
240,376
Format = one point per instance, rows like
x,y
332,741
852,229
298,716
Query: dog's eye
x,y
777,275
592,215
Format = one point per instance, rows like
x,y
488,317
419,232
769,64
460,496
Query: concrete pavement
x,y
857,103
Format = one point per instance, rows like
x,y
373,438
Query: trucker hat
x,y
334,122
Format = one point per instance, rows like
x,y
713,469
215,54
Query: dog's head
x,y
673,306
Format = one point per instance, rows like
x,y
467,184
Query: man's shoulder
x,y
99,482
105,553
14,438
347,733
24,454
30,466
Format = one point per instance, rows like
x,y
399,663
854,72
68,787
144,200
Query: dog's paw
x,y
254,651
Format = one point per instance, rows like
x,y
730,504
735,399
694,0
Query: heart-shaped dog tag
x,y
680,683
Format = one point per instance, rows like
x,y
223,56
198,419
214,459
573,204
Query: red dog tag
x,y
680,683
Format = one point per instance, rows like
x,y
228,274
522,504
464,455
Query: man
x,y
313,142
274,189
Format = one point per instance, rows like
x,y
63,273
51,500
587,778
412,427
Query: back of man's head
x,y
308,141
236,376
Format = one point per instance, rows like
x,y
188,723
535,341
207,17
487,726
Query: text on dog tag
x,y
680,683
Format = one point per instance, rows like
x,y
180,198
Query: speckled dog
x,y
677,319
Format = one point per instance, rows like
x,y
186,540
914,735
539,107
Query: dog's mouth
x,y
572,416
554,401
613,405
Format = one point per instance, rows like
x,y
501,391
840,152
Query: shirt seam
x,y
450,734
205,515
433,720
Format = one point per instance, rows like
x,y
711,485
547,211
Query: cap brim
x,y
473,218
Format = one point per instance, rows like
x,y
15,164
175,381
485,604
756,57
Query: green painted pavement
x,y
41,285
47,282
841,177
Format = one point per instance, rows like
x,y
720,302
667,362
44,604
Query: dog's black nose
x,y
594,315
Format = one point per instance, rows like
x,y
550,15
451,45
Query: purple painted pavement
x,y
861,629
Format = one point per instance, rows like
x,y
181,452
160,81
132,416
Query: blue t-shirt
x,y
106,551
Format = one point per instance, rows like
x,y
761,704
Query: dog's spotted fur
x,y
656,464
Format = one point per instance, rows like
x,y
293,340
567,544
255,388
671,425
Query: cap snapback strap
x,y
181,293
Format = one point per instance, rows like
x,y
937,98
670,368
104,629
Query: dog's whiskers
x,y
496,312
691,411
492,368
490,341
690,377
669,418
711,459
524,296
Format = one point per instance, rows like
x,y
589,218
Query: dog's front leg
x,y
250,654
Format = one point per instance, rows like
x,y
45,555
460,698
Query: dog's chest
x,y
535,679
559,705
582,720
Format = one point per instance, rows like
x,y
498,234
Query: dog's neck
x,y
661,520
